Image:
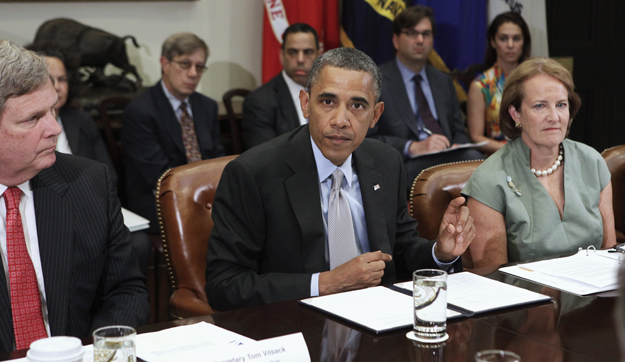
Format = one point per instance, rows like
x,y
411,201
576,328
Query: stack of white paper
x,y
378,309
133,221
382,309
584,273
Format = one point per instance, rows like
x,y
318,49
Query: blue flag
x,y
367,25
461,26
460,30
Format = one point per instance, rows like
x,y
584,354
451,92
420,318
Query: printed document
x,y
584,273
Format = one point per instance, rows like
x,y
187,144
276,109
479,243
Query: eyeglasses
x,y
413,34
200,68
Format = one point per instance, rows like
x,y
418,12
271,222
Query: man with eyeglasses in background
x,y
169,124
274,108
422,113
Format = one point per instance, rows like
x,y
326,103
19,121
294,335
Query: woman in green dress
x,y
541,194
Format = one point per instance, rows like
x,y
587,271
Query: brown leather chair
x,y
237,142
184,200
615,158
431,193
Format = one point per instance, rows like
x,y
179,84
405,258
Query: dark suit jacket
x,y
268,112
84,138
398,124
92,277
152,143
269,236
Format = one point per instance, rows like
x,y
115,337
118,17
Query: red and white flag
x,y
323,15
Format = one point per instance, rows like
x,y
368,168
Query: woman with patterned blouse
x,y
508,44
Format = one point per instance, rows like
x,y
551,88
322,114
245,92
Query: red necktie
x,y
189,138
25,299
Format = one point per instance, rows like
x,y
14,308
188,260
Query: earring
x,y
517,124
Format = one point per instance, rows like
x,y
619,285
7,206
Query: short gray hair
x,y
350,59
183,44
21,72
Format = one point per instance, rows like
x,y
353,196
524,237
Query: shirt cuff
x,y
314,285
443,266
407,148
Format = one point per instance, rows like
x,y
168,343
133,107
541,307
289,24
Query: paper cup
x,y
56,349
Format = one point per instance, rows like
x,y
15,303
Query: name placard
x,y
289,348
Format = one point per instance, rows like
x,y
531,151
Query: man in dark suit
x,y
273,109
63,245
277,226
420,117
170,124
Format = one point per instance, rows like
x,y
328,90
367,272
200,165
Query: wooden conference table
x,y
571,328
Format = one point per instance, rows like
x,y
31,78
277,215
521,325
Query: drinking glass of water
x,y
496,355
430,305
114,344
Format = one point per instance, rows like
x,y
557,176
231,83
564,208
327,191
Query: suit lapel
x,y
7,337
285,101
372,188
303,191
439,100
167,116
397,89
202,126
54,229
71,129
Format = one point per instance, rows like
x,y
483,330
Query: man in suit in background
x,y
284,229
273,109
422,113
170,124
63,244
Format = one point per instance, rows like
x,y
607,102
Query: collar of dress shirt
x,y
62,143
325,167
294,90
175,102
407,74
25,187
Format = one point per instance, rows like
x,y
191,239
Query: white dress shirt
x,y
29,223
351,190
175,103
62,143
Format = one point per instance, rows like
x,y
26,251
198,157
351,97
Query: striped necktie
x,y
424,107
341,239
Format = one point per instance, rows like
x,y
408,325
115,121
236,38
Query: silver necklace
x,y
553,167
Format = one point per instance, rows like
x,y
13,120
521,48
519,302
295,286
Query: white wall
x,y
232,29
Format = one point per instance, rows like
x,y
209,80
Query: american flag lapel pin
x,y
376,187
